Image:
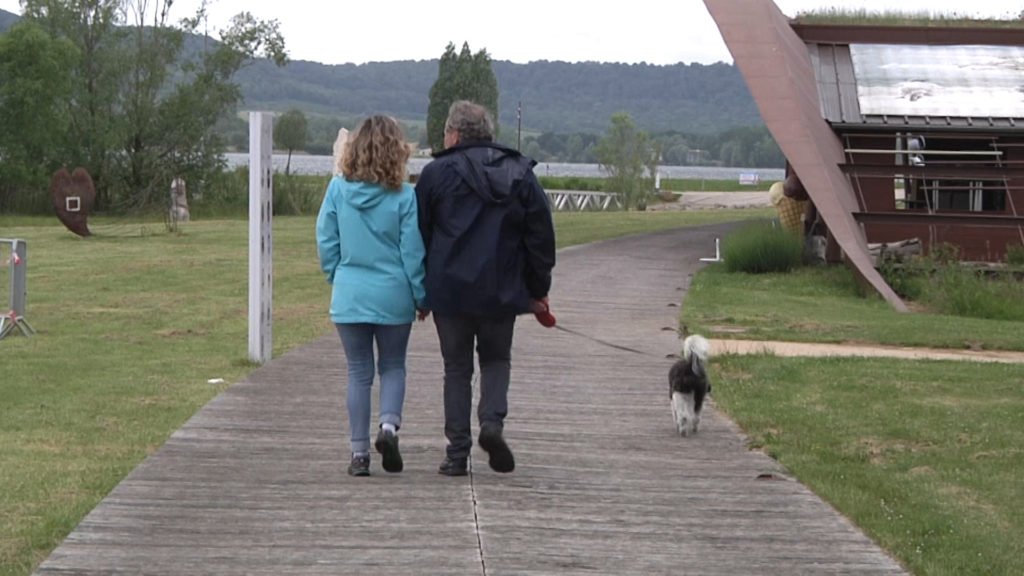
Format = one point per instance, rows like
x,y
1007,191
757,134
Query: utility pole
x,y
519,125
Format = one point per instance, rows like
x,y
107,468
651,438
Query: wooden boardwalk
x,y
255,483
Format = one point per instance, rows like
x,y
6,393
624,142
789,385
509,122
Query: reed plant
x,y
762,247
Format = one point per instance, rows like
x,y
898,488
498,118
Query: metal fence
x,y
14,265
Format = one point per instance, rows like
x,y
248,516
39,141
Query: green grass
x,y
574,228
819,304
903,18
131,324
924,456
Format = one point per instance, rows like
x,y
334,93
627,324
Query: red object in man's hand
x,y
542,312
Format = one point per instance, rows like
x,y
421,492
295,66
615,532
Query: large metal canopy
x,y
776,66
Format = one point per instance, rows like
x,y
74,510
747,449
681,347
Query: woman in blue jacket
x,y
371,250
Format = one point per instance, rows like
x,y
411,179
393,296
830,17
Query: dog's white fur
x,y
688,384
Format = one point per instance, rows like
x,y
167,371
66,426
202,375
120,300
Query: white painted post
x,y
261,246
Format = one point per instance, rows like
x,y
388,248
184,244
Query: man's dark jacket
x,y
487,229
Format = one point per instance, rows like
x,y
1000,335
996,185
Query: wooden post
x,y
261,246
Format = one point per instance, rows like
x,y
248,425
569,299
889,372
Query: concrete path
x,y
716,200
255,483
821,349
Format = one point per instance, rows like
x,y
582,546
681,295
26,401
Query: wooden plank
x,y
255,483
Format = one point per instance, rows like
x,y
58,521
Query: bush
x,y
907,277
297,195
960,291
761,248
582,183
228,194
945,286
1015,255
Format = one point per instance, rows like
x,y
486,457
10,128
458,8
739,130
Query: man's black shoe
x,y
453,467
501,459
387,445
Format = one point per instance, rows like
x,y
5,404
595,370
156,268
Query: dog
x,y
688,384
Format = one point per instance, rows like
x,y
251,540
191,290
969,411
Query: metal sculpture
x,y
73,196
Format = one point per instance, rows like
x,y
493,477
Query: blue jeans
x,y
392,341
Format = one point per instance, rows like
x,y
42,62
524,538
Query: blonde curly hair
x,y
377,153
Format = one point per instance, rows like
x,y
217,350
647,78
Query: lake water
x,y
306,164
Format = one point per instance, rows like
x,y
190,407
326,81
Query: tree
x,y
33,92
91,26
624,153
290,134
142,108
465,76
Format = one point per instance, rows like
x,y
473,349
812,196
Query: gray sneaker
x,y
359,466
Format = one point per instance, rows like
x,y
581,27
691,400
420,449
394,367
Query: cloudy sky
x,y
652,31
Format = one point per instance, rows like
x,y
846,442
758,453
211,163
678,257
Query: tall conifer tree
x,y
462,76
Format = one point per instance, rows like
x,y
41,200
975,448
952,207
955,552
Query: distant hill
x,y
556,97
7,19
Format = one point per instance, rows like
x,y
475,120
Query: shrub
x,y
907,277
297,195
762,247
586,184
945,286
1015,255
228,194
960,291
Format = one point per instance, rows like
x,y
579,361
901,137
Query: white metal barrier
x,y
16,262
579,200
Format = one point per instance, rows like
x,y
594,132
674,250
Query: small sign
x,y
750,179
73,203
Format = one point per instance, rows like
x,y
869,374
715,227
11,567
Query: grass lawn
x,y
820,304
924,456
132,323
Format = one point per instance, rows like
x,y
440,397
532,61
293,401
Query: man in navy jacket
x,y
490,244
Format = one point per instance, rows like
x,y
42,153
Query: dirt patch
x,y
715,201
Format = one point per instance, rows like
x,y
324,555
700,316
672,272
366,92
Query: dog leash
x,y
599,341
547,320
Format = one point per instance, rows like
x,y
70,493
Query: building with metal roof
x,y
896,132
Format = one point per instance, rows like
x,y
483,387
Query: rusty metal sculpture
x,y
778,71
73,196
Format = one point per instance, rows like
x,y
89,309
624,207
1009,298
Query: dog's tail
x,y
696,349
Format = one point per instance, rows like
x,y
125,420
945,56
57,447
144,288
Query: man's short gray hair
x,y
472,121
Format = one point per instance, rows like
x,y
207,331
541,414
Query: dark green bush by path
x,y
760,248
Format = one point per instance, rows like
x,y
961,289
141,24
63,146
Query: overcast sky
x,y
652,31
